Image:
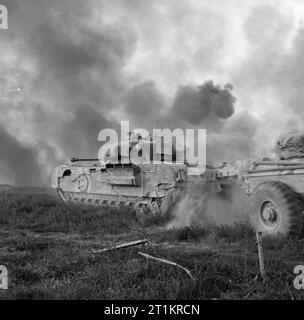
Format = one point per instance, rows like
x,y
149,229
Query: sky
x,y
69,68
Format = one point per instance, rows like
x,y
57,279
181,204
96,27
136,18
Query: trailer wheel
x,y
275,209
154,208
141,212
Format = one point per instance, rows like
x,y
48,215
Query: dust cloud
x,y
204,203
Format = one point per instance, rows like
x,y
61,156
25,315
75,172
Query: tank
x,y
148,188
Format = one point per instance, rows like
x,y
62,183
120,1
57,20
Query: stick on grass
x,y
167,262
120,246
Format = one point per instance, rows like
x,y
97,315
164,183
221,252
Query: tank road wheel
x,y
64,195
114,205
141,213
275,209
154,208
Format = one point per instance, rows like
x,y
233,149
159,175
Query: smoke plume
x,y
206,105
71,68
60,76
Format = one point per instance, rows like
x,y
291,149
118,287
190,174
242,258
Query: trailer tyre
x,y
275,209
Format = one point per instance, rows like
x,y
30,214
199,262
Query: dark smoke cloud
x,y
207,103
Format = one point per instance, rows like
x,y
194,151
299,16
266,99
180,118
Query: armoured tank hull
x,y
144,187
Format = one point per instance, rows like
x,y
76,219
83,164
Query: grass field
x,y
47,247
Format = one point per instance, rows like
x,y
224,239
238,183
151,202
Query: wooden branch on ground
x,y
261,255
167,262
120,246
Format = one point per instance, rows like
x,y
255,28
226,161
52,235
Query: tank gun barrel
x,y
80,159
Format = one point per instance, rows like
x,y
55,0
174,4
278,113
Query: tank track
x,y
143,206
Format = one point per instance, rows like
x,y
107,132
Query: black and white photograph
x,y
151,152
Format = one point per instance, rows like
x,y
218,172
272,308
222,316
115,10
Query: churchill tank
x,y
150,189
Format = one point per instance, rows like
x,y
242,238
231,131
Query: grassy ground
x,y
47,247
